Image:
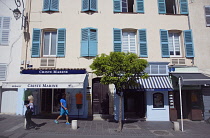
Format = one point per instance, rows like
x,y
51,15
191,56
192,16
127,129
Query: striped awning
x,y
154,83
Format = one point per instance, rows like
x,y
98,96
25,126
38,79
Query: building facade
x,y
63,37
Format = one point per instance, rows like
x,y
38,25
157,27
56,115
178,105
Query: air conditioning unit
x,y
178,61
48,62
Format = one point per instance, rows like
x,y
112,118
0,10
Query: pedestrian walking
x,y
63,110
30,110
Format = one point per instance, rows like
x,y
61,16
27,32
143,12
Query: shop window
x,y
158,100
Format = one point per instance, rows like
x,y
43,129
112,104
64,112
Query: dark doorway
x,y
100,97
46,106
134,105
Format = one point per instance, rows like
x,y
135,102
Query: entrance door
x,y
100,97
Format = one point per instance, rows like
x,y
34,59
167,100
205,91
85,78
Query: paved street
x,y
12,126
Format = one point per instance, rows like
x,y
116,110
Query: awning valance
x,y
192,78
47,81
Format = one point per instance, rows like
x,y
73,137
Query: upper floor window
x,y
126,40
129,6
89,42
173,6
4,30
171,46
156,69
89,5
207,13
50,5
48,42
3,70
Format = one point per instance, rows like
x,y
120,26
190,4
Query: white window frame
x,y
43,45
130,31
149,68
174,48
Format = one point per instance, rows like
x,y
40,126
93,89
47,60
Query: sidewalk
x,y
12,126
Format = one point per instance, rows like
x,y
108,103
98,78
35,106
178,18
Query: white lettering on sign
x,y
45,71
43,85
60,71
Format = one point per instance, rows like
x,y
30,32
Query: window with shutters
x,y
50,5
174,44
89,42
48,42
129,6
4,30
173,6
130,40
89,5
3,70
207,13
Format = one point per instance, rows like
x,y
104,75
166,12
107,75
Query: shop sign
x,y
54,71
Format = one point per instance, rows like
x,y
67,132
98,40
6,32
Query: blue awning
x,y
154,83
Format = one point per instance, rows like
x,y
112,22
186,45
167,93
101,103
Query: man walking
x,y
63,110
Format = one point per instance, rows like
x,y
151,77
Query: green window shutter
x,y
93,5
85,5
36,43
140,6
84,42
164,43
46,5
183,6
161,7
117,33
143,42
5,31
117,6
54,5
93,42
61,42
189,48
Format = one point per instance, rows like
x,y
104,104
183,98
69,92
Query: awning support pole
x,y
180,93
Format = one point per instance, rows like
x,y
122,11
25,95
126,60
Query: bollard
x,y
176,126
24,126
74,124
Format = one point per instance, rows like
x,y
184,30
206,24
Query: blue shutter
x,y
143,42
183,6
54,5
117,33
93,42
162,6
93,5
85,5
117,6
5,30
61,42
189,48
164,43
46,5
84,42
36,43
140,6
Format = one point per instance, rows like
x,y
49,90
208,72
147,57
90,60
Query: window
x,y
89,42
158,100
129,6
173,6
89,5
4,30
174,44
3,71
50,5
125,41
155,69
207,12
171,46
53,42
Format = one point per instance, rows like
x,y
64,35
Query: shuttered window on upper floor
x,y
4,30
207,13
51,5
89,5
89,42
48,42
3,71
131,6
170,46
173,6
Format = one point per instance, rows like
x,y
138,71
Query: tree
x,y
121,69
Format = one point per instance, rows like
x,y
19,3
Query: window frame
x,y
136,46
136,9
43,40
180,45
163,100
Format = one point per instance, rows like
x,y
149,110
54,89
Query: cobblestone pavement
x,y
12,126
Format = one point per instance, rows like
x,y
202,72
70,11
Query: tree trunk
x,y
120,113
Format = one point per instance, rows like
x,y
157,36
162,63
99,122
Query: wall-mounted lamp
x,y
16,13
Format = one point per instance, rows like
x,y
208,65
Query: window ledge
x,y
174,14
128,13
51,12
